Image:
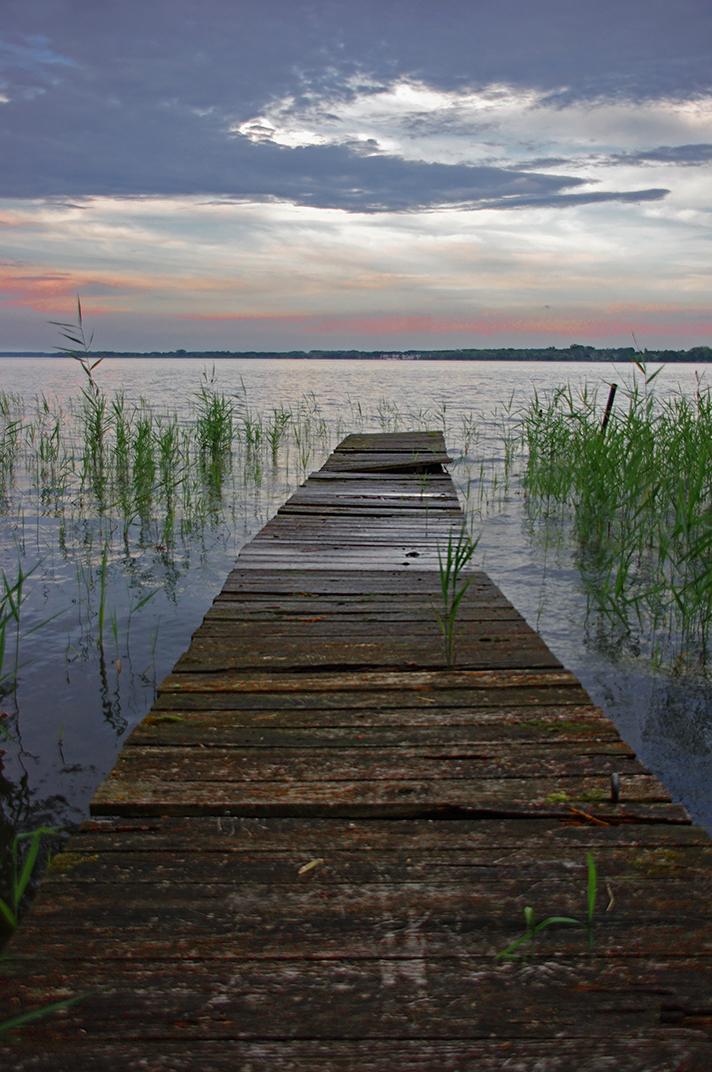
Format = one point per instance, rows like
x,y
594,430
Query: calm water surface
x,y
72,709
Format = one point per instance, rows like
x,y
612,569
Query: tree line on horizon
x,y
575,352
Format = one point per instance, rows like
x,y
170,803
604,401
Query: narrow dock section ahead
x,y
311,851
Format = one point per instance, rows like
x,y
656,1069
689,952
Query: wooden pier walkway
x,y
311,850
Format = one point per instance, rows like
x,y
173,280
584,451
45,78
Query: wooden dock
x,y
311,850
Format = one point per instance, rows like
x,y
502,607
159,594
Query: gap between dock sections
x,y
311,850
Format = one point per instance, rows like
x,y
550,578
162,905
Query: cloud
x,y
362,107
224,259
29,287
404,117
679,155
329,176
590,198
615,320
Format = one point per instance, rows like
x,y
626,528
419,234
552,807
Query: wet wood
x,y
311,851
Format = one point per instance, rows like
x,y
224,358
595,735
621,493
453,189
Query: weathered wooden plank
x,y
357,544
543,729
323,628
464,997
436,760
321,474
520,650
394,527
403,516
211,856
654,1050
420,482
337,582
259,559
504,683
128,791
358,532
334,485
216,912
477,903
213,852
433,504
340,613
528,717
654,847
388,582
414,461
374,441
355,602
375,446
346,560
375,510
407,492
365,604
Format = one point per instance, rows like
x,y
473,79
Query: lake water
x,y
76,699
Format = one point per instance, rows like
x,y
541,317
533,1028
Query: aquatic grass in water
x,y
214,419
638,500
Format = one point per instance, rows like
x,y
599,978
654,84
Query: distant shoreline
x,y
551,353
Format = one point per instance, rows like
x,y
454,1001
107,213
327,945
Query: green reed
x,y
457,555
144,464
22,870
277,426
638,500
533,929
38,1014
214,419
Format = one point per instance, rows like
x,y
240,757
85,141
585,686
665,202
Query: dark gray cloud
x,y
679,155
136,99
319,176
590,198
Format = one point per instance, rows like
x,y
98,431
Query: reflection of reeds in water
x,y
638,501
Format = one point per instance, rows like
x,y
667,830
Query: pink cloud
x,y
162,301
568,323
55,292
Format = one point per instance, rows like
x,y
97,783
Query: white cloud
x,y
407,118
498,124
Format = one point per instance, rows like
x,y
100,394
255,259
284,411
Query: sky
x,y
318,174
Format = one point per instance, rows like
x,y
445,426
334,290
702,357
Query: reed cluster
x,y
636,497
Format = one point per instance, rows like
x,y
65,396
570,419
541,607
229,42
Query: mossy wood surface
x,y
310,852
